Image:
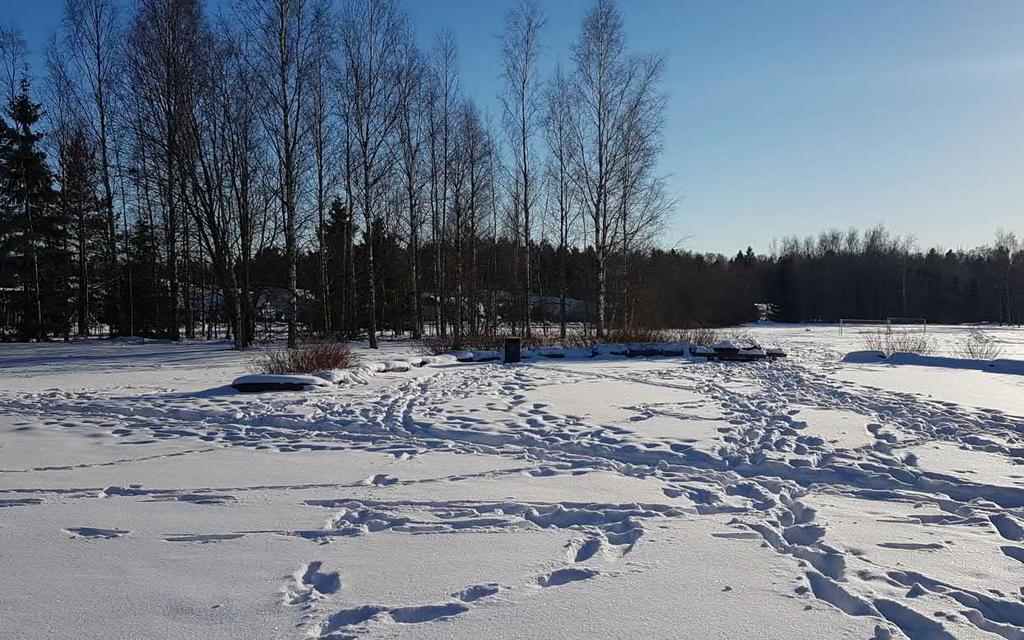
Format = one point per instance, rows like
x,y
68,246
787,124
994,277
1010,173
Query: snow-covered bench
x,y
730,351
258,383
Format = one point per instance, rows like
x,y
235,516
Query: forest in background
x,y
177,172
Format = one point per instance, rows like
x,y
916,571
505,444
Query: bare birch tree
x,y
557,125
477,149
323,131
445,94
281,44
161,43
205,164
13,64
520,57
92,37
413,125
613,91
372,38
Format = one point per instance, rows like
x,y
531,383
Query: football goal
x,y
860,325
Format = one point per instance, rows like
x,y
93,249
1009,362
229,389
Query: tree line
x,y
175,171
875,274
185,151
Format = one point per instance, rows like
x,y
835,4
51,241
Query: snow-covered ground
x,y
141,497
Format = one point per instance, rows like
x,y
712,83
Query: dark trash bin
x,y
513,350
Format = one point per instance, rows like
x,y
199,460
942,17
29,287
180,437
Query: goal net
x,y
909,323
874,325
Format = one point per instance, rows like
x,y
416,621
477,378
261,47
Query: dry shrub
x,y
435,345
700,335
890,342
308,358
742,339
978,345
694,335
637,335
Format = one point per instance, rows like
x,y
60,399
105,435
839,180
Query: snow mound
x,y
864,357
398,366
257,383
1015,367
359,374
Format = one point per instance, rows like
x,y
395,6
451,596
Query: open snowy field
x,y
141,497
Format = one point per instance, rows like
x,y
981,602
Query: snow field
x,y
614,497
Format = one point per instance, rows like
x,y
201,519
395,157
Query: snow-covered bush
x,y
889,342
310,358
978,345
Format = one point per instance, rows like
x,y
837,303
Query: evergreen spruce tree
x,y
80,212
33,231
145,264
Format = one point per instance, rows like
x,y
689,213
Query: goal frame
x,y
887,323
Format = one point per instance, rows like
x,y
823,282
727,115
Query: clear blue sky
x,y
791,116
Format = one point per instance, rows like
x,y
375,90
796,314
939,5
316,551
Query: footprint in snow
x,y
348,620
426,612
95,533
476,592
320,581
912,546
1017,553
311,583
19,502
565,576
379,480
203,538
